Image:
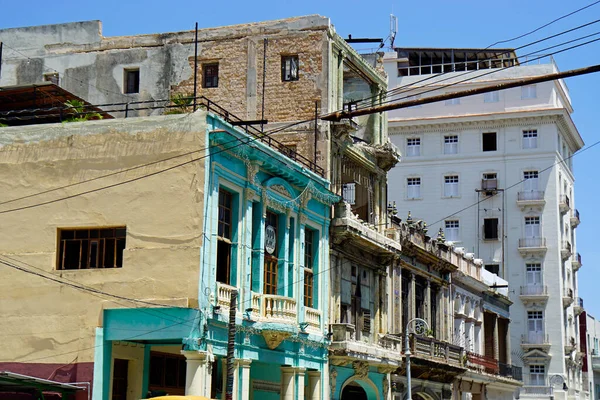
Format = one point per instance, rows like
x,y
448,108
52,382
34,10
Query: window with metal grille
x,y
530,138
349,193
451,186
413,147
413,188
309,236
366,328
210,75
224,236
271,260
289,68
91,248
132,80
451,144
490,228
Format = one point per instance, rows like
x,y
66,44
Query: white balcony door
x,y
534,274
532,227
530,184
535,327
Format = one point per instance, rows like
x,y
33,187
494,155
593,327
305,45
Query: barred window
x,y
91,248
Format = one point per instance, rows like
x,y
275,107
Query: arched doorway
x,y
353,391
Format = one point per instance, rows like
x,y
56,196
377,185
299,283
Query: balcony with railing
x,y
565,249
576,262
346,341
536,392
223,299
313,318
596,363
348,226
570,345
568,297
535,340
578,307
435,350
482,363
575,218
531,198
532,246
564,204
510,371
534,293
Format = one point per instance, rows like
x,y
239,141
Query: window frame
x,y
225,232
529,92
451,144
413,182
454,229
483,141
533,270
491,227
309,263
210,75
539,372
131,86
293,76
92,240
413,147
530,138
451,186
271,262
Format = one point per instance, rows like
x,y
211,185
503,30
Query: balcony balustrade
x,y
278,308
564,203
224,295
531,198
535,339
534,293
568,297
529,246
575,221
481,362
436,350
312,317
565,249
510,371
576,262
536,392
578,307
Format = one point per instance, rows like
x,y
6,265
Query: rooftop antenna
x,y
393,29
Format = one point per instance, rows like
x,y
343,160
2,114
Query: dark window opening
x,y
493,268
91,248
289,68
119,390
271,260
224,236
489,141
210,74
490,228
132,80
167,373
308,267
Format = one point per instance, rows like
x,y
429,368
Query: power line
x,y
403,88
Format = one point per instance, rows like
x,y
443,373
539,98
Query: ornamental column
x,y
314,385
197,373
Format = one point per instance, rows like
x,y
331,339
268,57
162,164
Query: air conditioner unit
x,y
489,184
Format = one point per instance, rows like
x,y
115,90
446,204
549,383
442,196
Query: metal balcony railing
x,y
510,371
533,338
534,290
478,361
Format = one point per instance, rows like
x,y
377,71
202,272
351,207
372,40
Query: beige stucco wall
x,y
44,321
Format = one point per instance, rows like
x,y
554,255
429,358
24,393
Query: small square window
x,y
451,231
530,139
489,141
210,75
413,147
289,68
491,97
52,77
451,144
132,80
528,92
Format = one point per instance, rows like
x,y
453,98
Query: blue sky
x,y
434,23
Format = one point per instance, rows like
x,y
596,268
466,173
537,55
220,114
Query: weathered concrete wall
x,y
44,321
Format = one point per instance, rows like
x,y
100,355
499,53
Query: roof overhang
x,y
17,383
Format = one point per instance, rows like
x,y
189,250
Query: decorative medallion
x,y
361,369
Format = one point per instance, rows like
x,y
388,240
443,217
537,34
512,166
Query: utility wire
x,y
407,87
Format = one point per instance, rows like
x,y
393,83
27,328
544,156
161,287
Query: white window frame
x,y
451,144
349,193
533,274
530,138
533,226
413,147
528,92
491,97
530,184
452,230
413,187
537,375
451,187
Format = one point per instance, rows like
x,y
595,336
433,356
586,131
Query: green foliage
x,y
2,125
79,112
181,104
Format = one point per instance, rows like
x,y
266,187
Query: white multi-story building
x,y
591,366
495,172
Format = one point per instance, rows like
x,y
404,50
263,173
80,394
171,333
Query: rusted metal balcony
x,y
575,218
576,262
565,249
564,204
482,363
534,293
510,371
532,246
531,198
